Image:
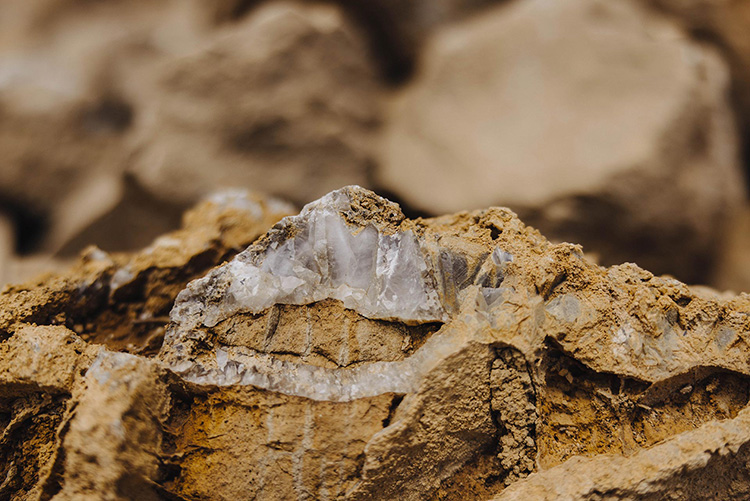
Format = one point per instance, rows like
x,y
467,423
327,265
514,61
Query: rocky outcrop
x,y
587,117
350,352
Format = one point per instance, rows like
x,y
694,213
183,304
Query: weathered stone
x,y
536,367
600,122
625,361
123,300
707,463
113,440
284,101
723,25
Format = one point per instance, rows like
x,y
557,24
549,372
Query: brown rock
x,y
723,24
112,441
588,117
285,101
707,463
539,374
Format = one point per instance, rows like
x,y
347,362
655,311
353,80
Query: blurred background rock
x,y
622,125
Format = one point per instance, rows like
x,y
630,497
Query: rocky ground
x,y
219,319
352,353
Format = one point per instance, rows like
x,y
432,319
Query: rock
x,y
119,398
284,101
395,29
733,268
707,463
384,357
723,24
598,121
116,213
146,282
65,110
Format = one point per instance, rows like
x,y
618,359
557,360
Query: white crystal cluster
x,y
377,274
351,246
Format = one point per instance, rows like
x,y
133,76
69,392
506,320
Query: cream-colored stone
x,y
599,121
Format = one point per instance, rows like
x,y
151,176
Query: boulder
x,y
284,101
599,121
724,25
352,352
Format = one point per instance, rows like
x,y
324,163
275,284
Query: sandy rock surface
x,y
600,122
352,353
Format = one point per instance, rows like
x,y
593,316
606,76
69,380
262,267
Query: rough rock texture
x,y
285,100
707,463
460,357
600,122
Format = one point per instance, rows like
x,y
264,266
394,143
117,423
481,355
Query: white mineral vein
x,y
371,268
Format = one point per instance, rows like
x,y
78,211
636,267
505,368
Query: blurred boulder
x,y
64,113
395,29
285,101
598,121
725,24
733,267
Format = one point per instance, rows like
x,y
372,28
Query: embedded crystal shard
x,y
350,246
338,247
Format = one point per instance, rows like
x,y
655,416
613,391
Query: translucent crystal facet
x,y
351,246
318,255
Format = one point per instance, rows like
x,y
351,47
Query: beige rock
x,y
46,358
285,101
723,24
733,269
40,367
541,366
112,441
600,122
395,29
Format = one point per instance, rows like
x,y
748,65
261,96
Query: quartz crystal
x,y
351,246
318,254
